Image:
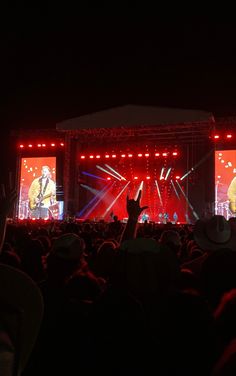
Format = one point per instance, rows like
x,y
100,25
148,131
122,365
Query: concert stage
x,y
98,159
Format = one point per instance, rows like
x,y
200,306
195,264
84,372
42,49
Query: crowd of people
x,y
117,298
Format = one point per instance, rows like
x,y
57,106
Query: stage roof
x,y
135,116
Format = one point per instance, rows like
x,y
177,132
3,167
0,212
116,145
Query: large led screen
x,y
37,198
225,183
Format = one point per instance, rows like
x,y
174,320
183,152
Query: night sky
x,y
57,64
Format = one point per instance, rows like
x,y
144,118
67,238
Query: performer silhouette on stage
x,y
166,217
175,217
144,218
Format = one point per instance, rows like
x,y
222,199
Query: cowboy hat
x,y
21,312
215,233
68,246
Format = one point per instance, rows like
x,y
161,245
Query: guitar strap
x,y
42,192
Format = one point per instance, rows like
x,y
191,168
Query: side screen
x,y
37,196
225,183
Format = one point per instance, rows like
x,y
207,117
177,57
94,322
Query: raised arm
x,y
134,210
7,201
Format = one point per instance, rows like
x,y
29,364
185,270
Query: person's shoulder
x,y
233,181
36,180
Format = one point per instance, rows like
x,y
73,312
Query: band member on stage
x,y
166,217
42,194
232,195
175,217
145,217
160,217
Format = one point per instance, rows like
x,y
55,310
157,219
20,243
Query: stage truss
x,y
178,133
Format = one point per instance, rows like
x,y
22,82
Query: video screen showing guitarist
x,y
232,195
42,194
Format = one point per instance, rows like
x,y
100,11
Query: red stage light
x,y
107,156
21,146
130,155
91,156
44,145
175,153
98,156
146,155
157,154
177,177
52,144
148,178
229,136
30,145
39,145
33,219
216,136
82,157
135,178
164,154
140,155
62,143
122,155
108,178
113,155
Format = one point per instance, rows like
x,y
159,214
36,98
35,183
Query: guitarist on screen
x,y
232,195
42,194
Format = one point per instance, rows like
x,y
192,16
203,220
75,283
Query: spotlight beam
x,y
107,172
187,173
99,200
140,188
92,200
168,173
159,193
162,171
197,165
187,200
90,189
173,185
117,173
116,198
93,176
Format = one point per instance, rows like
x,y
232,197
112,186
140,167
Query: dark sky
x,y
57,64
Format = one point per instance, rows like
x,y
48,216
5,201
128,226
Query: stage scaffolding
x,y
176,133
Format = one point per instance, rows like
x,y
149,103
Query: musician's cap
x,y
21,305
68,246
215,233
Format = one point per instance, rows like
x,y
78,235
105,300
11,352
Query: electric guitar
x,y
33,204
232,206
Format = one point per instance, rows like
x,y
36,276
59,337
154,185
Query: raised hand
x,y
134,210
133,207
